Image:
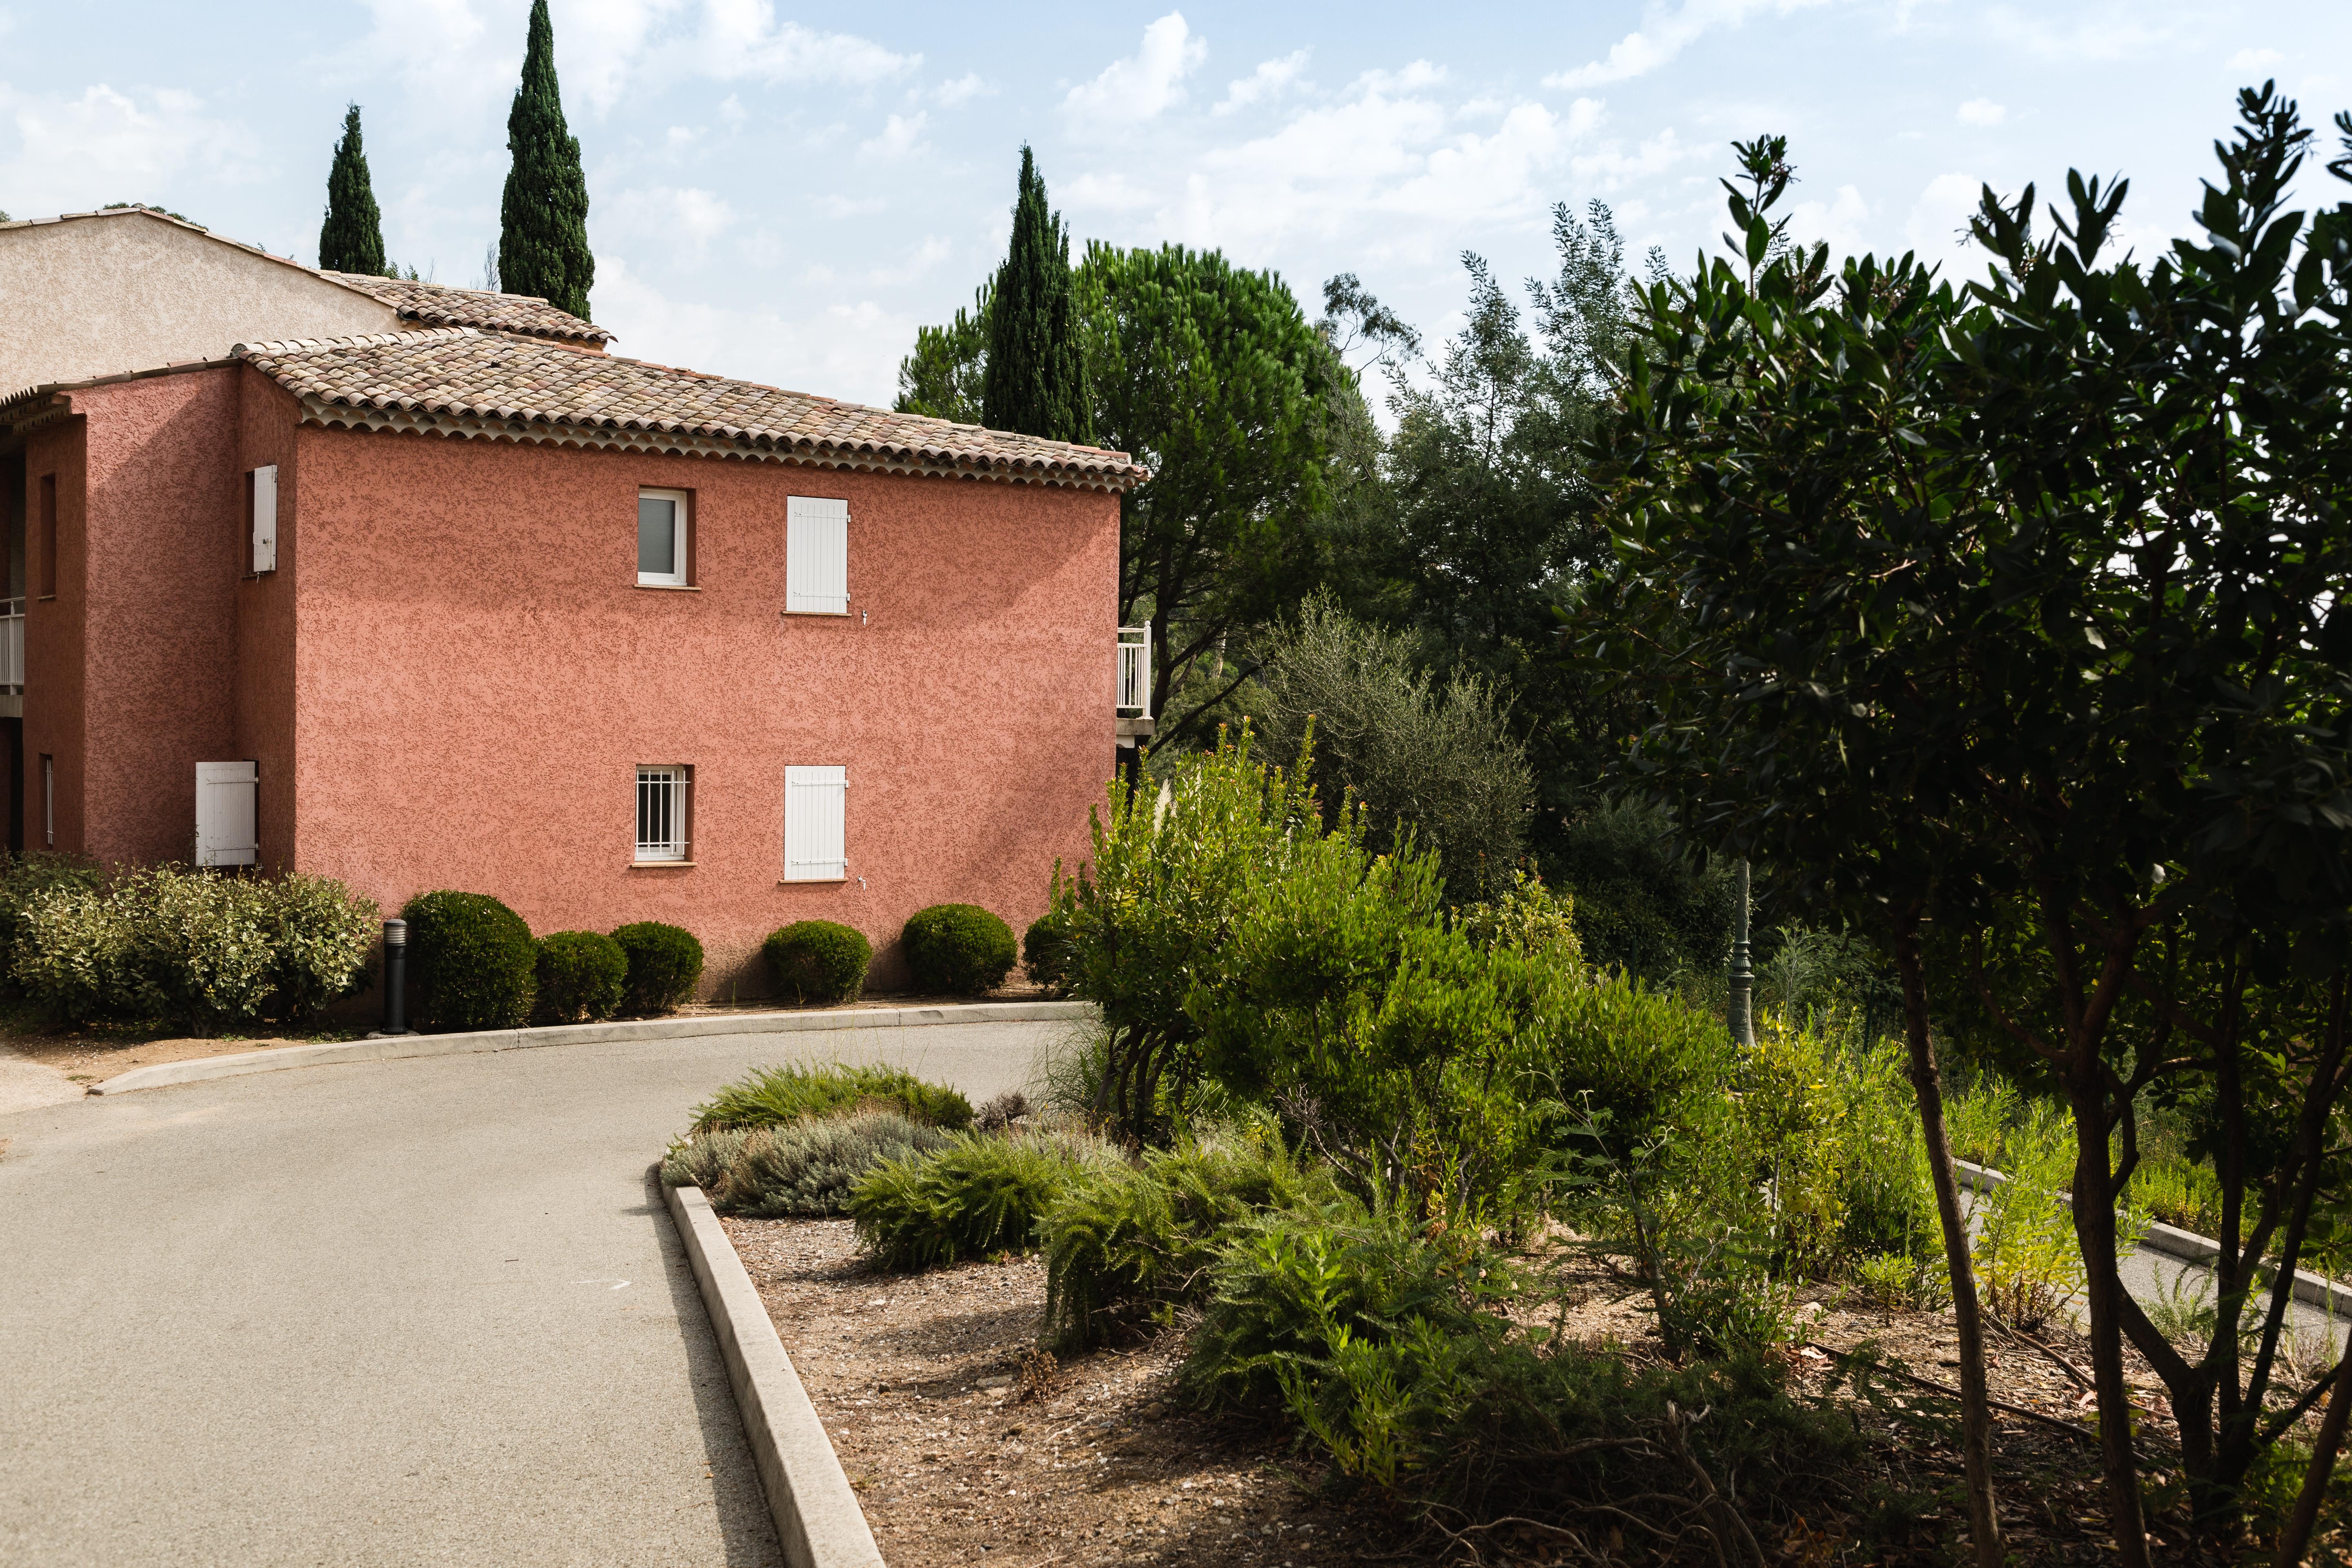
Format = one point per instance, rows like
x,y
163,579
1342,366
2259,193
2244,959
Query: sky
x,y
784,195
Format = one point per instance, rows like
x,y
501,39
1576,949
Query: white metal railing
x,y
1135,671
12,645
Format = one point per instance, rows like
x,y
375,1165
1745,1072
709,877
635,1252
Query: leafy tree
x,y
1212,375
544,241
352,237
941,379
1033,379
1430,761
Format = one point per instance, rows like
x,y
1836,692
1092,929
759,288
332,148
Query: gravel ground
x,y
966,1445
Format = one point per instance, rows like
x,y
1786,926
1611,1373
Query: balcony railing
x,y
12,646
1135,672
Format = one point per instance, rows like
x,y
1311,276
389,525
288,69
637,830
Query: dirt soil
x,y
960,1457
966,1445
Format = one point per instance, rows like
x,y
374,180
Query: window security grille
x,y
1135,671
661,813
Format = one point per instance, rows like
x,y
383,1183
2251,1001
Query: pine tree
x,y
352,237
1035,379
543,244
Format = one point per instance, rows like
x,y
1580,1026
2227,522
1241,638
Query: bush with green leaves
x,y
25,875
818,961
665,966
977,1197
771,1096
800,1170
200,947
958,950
1435,761
580,974
1046,954
472,960
1124,1239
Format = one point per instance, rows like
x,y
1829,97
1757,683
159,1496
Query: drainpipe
x,y
1743,977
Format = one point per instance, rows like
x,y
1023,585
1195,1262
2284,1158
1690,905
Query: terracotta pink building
x,y
476,605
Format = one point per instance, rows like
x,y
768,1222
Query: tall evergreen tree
x,y
1035,377
352,237
543,242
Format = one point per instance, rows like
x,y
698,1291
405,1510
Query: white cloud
x,y
900,137
680,221
1983,111
1937,230
1140,85
962,90
1610,168
1263,84
78,154
849,348
2256,59
731,111
1666,34
1839,221
915,264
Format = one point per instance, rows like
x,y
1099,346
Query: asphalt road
x,y
397,1312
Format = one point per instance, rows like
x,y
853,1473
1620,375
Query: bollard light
x,y
395,976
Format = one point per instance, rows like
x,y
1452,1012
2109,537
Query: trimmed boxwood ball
x,y
664,962
818,961
958,948
475,965
582,974
1048,954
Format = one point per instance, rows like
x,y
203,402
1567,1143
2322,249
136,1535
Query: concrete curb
x,y
2311,1289
399,1047
809,1496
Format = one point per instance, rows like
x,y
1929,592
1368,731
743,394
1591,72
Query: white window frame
x,y
824,790
677,779
813,525
265,519
681,526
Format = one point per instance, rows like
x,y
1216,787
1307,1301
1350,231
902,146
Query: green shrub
x,y
200,947
1048,954
770,1097
977,1196
960,950
581,975
808,1169
703,1160
818,961
664,964
1122,1238
34,872
475,965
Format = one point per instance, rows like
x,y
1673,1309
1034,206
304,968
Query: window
x,y
661,539
226,818
262,491
662,813
48,530
49,801
817,556
816,819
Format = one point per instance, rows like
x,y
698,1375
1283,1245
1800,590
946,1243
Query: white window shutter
x,y
815,824
817,556
265,519
226,832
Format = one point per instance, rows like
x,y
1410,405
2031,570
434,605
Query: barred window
x,y
662,812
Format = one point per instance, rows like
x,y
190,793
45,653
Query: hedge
x,y
474,964
818,961
665,964
958,948
582,974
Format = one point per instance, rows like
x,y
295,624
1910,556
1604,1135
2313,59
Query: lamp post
x,y
395,977
1743,977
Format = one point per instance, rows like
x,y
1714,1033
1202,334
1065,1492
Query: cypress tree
x,y
1035,378
543,239
352,237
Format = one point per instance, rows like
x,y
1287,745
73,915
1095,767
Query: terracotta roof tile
x,y
439,305
462,382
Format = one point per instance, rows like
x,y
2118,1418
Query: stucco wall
x,y
105,293
478,677
267,417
